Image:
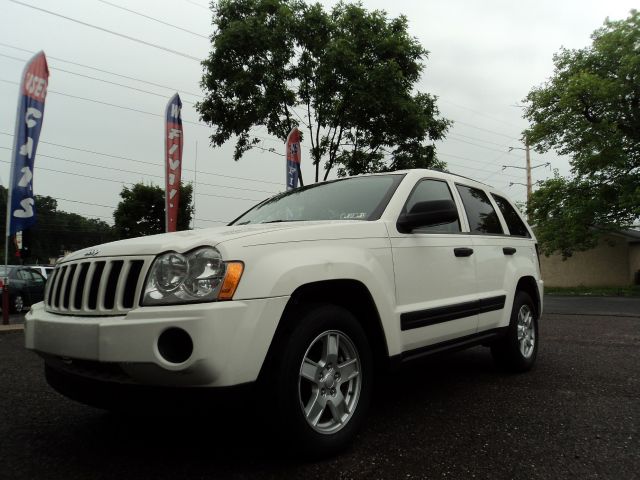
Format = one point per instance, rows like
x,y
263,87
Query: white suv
x,y
305,295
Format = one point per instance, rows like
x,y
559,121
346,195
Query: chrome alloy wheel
x,y
329,383
526,331
18,303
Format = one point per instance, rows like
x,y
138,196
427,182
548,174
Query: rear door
x,y
435,274
494,251
33,285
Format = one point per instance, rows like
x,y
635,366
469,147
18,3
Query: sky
x,y
485,56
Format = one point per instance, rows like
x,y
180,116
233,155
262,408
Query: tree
x,y
589,109
142,210
345,77
55,232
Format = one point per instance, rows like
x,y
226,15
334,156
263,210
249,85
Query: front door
x,y
435,275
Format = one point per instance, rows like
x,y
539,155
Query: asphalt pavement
x,y
575,415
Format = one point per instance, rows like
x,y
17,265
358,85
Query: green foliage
x,y
141,211
346,76
590,110
55,232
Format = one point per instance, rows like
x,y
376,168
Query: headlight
x,y
198,276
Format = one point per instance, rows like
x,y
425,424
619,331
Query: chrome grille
x,y
100,286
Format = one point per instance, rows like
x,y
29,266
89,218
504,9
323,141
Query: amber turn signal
x,y
231,280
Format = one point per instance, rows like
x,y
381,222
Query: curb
x,y
11,328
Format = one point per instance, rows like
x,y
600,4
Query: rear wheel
x,y
323,378
518,349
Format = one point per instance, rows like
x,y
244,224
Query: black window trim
x,y
526,225
491,202
453,198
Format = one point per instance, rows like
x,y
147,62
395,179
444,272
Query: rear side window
x,y
481,214
427,191
515,224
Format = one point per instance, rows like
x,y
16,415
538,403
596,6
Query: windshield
x,y
355,198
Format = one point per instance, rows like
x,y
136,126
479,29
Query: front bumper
x,y
230,341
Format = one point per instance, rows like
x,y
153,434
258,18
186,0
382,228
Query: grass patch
x,y
630,291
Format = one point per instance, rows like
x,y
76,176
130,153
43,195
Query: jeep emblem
x,y
92,253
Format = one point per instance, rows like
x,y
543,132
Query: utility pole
x,y
528,167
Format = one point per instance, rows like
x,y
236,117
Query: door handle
x,y
508,250
463,252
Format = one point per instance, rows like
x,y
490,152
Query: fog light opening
x,y
175,345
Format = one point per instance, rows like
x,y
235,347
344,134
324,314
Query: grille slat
x,y
79,286
58,287
100,286
131,290
66,287
49,288
94,288
111,283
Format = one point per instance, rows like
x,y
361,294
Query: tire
x,y
517,350
324,379
17,303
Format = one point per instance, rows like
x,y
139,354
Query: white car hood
x,y
255,234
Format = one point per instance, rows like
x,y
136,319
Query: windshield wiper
x,y
279,221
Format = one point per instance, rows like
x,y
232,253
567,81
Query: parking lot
x,y
576,415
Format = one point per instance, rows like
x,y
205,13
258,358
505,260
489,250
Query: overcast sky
x,y
484,58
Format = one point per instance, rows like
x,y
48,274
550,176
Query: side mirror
x,y
426,214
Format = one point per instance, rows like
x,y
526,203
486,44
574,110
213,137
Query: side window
x,y
23,275
426,191
36,277
482,217
514,222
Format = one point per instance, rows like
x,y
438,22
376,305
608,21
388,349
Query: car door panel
x,y
434,285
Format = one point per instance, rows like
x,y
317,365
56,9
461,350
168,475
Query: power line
x,y
142,173
149,163
110,104
144,112
154,19
480,128
99,79
112,207
478,139
469,160
75,174
479,146
103,71
95,101
477,112
196,4
107,103
84,203
133,39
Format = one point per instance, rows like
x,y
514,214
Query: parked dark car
x,y
26,286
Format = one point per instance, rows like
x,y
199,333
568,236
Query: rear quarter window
x,y
516,226
483,218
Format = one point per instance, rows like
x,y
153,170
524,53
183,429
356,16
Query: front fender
x,y
278,270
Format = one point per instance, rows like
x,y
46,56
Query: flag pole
x,y
7,225
29,118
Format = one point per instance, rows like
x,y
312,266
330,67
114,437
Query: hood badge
x,y
92,253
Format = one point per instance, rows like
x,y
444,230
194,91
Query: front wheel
x,y
324,380
518,349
